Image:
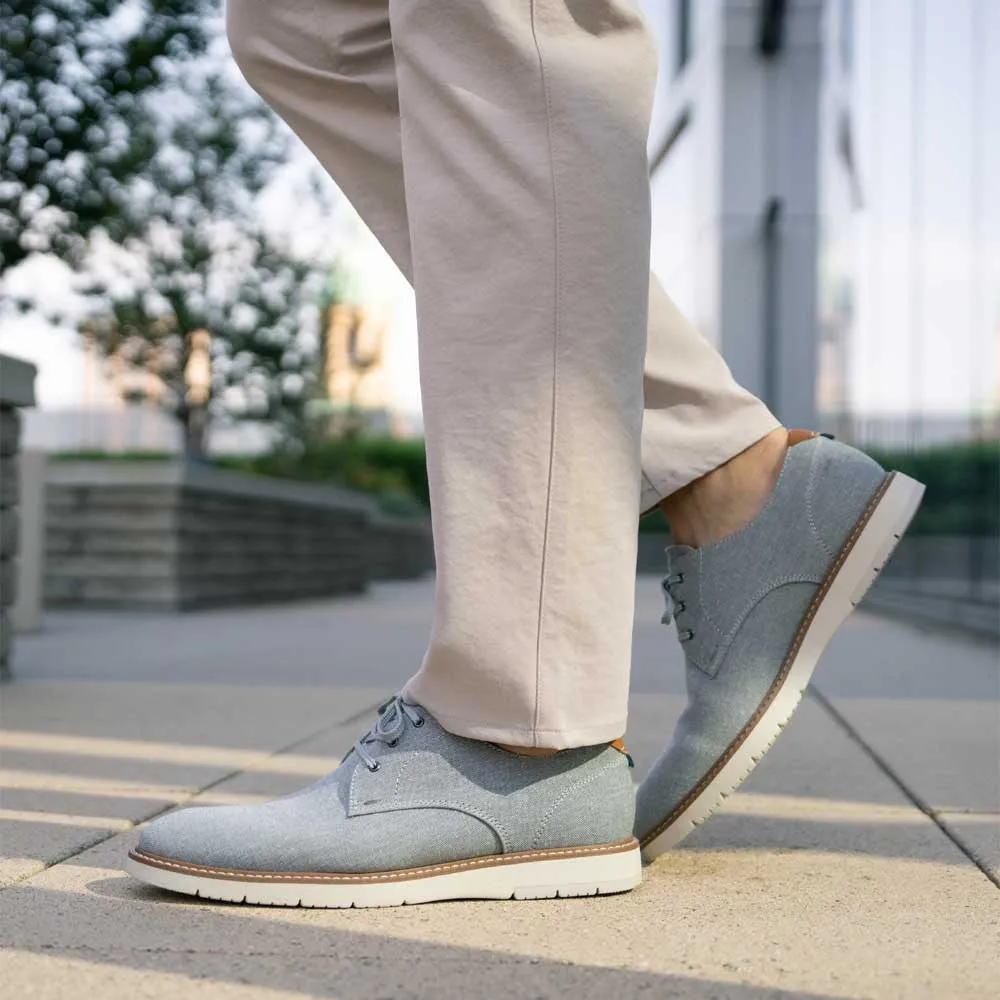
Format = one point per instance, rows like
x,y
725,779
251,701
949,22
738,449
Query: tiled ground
x,y
821,878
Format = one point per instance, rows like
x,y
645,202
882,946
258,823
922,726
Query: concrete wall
x,y
175,537
29,522
17,389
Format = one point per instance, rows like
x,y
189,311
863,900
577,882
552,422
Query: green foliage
x,y
73,133
963,487
395,470
129,149
653,523
90,455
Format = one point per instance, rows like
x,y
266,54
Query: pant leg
x,y
334,80
696,416
531,286
327,68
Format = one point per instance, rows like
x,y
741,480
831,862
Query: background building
x,y
826,191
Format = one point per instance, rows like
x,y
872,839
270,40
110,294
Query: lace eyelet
x,y
374,767
681,606
418,723
686,636
392,743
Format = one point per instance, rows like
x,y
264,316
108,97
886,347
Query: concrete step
x,y
10,431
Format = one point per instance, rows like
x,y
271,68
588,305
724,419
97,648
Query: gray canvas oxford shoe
x,y
413,814
755,612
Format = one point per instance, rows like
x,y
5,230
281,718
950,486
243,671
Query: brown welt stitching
x,y
406,874
786,666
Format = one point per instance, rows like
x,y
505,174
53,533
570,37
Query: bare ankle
x,y
728,498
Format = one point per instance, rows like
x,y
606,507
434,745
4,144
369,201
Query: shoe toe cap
x,y
213,835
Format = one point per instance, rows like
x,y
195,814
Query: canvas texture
x,y
434,798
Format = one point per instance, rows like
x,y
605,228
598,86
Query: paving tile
x,y
72,754
979,833
388,970
79,804
249,717
818,879
947,752
871,657
816,790
706,923
376,640
927,703
27,847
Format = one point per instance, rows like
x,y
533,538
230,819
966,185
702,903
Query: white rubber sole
x,y
579,871
859,566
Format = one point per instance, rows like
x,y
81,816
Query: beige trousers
x,y
497,149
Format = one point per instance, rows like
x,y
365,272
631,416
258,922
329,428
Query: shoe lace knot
x,y
675,604
389,727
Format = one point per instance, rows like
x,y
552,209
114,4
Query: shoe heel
x,y
584,876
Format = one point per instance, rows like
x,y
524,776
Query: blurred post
x,y
198,392
353,345
26,612
17,390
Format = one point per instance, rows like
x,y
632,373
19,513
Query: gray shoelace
x,y
675,605
388,728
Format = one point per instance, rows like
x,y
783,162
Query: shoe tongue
x,y
388,718
682,559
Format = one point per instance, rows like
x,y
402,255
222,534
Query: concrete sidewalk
x,y
860,860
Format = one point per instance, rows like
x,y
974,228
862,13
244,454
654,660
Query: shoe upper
x,y
739,602
422,796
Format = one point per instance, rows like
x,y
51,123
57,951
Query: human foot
x,y
728,498
412,814
755,611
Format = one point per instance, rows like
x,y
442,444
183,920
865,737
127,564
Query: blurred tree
x,y
198,292
74,75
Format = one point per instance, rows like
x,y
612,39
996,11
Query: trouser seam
x,y
557,318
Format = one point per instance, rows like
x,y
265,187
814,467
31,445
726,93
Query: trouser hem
x,y
529,736
656,488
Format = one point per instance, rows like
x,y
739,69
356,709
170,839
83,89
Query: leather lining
x,y
798,436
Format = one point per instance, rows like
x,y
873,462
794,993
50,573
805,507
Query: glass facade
x,y
910,261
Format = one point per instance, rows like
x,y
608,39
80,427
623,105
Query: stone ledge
x,y
167,535
8,582
192,477
9,533
17,389
17,382
10,481
10,431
